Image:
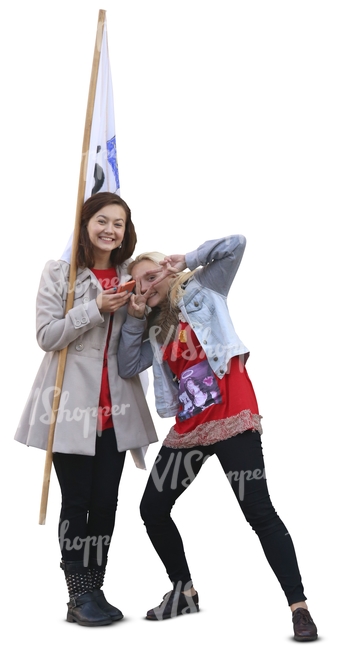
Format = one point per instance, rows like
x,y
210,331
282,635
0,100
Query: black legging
x,y
89,487
242,460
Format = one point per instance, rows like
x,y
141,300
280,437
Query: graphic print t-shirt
x,y
202,395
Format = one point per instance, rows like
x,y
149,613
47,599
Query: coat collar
x,y
86,273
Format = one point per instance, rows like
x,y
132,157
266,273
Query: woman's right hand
x,y
109,301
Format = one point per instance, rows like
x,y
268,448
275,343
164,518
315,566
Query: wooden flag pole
x,y
72,273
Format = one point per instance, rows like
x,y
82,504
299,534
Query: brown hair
x,y
85,256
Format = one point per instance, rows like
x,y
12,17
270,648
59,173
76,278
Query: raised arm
x,y
219,259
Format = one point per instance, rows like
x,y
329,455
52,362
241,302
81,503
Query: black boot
x,y
82,607
96,575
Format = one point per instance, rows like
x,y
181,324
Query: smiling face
x,y
144,271
106,230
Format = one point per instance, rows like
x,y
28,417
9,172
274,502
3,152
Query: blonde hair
x,y
176,289
154,257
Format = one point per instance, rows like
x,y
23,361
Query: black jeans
x,y
242,460
89,487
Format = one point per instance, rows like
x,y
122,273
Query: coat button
x,y
216,358
196,303
84,320
85,300
79,347
77,322
221,371
205,342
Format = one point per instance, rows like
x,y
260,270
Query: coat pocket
x,y
97,335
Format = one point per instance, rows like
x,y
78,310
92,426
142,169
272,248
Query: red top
x,y
203,396
108,279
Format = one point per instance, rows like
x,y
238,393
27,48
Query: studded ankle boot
x,y
82,606
96,575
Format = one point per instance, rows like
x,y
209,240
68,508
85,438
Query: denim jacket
x,y
204,307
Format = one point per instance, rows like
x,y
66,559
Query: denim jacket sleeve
x,y
220,260
133,355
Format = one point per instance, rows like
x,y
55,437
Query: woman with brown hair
x,y
100,416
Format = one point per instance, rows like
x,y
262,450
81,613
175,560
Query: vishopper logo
x,y
176,602
58,285
180,470
76,414
179,462
245,475
191,353
79,543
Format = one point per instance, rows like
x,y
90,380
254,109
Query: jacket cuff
x,y
94,314
85,314
134,324
191,260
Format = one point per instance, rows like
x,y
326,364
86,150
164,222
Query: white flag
x,y
102,166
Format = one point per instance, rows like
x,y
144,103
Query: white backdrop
x,y
229,119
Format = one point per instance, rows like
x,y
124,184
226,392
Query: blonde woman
x,y
179,323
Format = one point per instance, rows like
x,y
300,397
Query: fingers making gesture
x,y
172,264
153,282
138,300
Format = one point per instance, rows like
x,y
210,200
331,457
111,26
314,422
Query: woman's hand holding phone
x,y
127,286
109,300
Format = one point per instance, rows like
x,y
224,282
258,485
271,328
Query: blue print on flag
x,y
112,158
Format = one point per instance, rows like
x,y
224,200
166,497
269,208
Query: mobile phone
x,y
127,286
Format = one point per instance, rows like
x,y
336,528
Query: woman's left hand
x,y
170,266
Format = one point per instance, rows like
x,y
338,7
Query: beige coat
x,y
84,330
